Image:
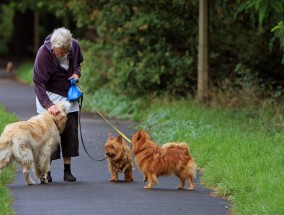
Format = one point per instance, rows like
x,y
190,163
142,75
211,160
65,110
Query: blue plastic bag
x,y
74,93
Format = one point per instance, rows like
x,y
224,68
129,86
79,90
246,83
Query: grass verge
x,y
8,174
25,73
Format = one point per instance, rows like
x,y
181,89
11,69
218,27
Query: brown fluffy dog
x,y
119,158
32,142
154,160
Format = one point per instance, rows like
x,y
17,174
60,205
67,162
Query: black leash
x,y
80,106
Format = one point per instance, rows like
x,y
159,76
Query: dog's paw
x,y
31,182
43,180
113,180
128,179
148,187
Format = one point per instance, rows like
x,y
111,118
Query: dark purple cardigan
x,y
50,76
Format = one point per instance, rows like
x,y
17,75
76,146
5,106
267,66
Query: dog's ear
x,y
141,139
134,137
139,135
138,141
119,139
143,134
60,121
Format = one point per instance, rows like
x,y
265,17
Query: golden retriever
x,y
32,142
154,160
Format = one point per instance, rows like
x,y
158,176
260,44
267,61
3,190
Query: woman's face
x,y
60,52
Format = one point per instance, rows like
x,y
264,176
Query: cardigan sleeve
x,y
41,75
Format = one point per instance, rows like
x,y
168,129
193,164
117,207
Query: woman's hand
x,y
53,110
74,76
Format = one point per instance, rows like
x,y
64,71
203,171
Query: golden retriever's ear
x,y
119,139
60,121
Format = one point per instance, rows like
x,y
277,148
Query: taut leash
x,y
116,129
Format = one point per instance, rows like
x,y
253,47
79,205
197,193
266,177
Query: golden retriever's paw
x,y
31,182
148,187
43,180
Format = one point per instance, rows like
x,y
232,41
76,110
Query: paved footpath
x,y
93,193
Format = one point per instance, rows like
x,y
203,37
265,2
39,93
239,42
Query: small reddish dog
x,y
154,160
119,158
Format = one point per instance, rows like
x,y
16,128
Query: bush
x,y
145,48
6,27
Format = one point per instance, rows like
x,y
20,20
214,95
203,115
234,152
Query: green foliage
x,y
263,9
240,41
245,88
279,33
25,72
6,27
155,52
97,61
267,10
147,48
113,105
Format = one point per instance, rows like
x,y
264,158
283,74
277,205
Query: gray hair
x,y
61,38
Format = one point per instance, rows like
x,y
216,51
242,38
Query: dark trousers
x,y
69,138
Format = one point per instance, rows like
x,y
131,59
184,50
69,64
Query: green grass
x,y
7,175
25,73
240,152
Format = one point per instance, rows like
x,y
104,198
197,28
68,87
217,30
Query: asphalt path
x,y
92,193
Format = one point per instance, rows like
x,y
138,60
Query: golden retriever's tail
x,y
5,151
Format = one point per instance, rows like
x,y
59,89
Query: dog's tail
x,y
5,151
192,168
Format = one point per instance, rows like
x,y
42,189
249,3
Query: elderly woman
x,y
58,60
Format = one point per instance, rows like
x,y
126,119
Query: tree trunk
x,y
202,85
